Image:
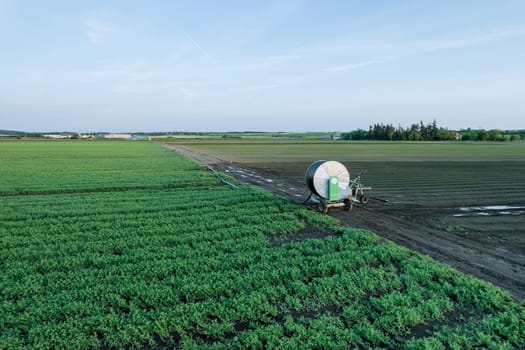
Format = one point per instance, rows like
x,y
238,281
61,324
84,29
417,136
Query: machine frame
x,y
357,195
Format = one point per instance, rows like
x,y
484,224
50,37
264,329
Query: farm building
x,y
118,136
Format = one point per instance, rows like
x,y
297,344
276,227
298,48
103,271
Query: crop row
x,y
177,201
50,167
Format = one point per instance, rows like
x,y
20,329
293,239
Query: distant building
x,y
457,136
57,136
118,136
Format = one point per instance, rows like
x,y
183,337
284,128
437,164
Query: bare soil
x,y
454,222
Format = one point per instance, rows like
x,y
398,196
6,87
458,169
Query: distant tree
x,y
430,132
400,133
389,132
346,136
495,135
414,133
443,134
482,135
423,131
359,134
467,134
433,130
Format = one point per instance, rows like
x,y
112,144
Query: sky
x,y
286,65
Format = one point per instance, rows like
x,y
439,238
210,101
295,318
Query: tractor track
x,y
405,224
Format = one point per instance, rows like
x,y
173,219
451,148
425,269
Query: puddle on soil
x,y
492,207
491,210
471,214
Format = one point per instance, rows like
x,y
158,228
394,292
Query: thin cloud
x,y
188,92
406,49
473,40
279,62
260,87
96,30
196,44
352,66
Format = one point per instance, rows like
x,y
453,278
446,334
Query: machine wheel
x,y
363,199
348,204
323,208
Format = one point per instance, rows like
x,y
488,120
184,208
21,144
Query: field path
x,y
398,222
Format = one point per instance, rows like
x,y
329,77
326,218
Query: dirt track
x,y
411,225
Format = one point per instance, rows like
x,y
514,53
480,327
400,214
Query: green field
x,y
261,136
127,245
54,167
300,151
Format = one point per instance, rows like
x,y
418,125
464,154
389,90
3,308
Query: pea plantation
x,y
115,244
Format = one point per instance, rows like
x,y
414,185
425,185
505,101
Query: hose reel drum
x,y
330,184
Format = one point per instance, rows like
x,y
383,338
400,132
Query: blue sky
x,y
260,65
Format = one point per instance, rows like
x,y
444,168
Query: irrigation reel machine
x,y
330,186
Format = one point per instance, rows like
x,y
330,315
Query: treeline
x,y
430,132
492,135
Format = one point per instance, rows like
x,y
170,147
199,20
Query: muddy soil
x,y
485,241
